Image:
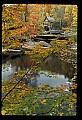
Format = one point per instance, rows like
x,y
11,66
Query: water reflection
x,y
31,79
53,71
54,64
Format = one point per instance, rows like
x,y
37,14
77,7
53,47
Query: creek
x,y
53,70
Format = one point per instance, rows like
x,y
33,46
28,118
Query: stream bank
x,y
70,56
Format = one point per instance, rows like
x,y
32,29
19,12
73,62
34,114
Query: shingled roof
x,y
50,19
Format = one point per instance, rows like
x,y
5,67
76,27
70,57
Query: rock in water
x,y
44,43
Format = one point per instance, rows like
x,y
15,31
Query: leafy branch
x,y
24,75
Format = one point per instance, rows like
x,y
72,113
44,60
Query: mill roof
x,y
50,19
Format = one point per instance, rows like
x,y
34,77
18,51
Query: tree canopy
x,y
27,19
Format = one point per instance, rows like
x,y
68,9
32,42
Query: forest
x,y
27,19
39,66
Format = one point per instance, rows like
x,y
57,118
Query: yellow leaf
x,y
74,95
71,106
61,113
57,105
9,109
69,109
27,89
43,101
3,112
12,105
23,91
19,87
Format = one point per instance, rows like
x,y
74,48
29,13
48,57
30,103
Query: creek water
x,y
53,70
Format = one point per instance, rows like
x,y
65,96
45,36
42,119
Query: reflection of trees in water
x,y
54,64
22,62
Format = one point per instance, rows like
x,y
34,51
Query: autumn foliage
x,y
27,19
